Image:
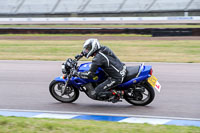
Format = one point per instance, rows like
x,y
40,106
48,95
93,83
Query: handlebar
x,y
71,64
78,57
74,63
74,67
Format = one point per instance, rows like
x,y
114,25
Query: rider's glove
x,y
82,54
77,56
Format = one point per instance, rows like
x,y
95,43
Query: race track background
x,y
24,85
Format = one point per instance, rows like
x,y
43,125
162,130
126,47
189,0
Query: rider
x,y
108,61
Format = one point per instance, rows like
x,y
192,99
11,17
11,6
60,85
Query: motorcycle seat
x,y
132,72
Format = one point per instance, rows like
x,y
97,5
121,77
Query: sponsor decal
x,y
95,78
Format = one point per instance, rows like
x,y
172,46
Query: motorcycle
x,y
137,88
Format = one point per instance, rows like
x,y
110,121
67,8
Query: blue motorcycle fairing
x,y
133,81
86,67
145,71
99,73
78,82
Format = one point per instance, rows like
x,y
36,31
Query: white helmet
x,y
90,47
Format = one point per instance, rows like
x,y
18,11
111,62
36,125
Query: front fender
x,y
60,79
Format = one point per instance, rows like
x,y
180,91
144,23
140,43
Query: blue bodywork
x,y
101,76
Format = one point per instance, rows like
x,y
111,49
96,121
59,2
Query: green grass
x,y
106,26
130,51
35,125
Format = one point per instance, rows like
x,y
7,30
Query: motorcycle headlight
x,y
67,66
63,69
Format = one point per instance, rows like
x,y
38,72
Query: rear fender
x,y
133,81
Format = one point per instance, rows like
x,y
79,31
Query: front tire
x,y
140,95
70,95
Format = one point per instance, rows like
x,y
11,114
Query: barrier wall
x,y
148,31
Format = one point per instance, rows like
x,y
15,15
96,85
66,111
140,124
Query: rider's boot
x,y
93,94
104,95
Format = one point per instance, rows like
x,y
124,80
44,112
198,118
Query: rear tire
x,y
136,97
70,95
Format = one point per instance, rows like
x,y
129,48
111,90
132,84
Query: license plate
x,y
153,81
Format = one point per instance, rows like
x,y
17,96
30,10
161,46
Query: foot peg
x,y
115,99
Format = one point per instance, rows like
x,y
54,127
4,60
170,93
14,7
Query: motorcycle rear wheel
x,y
70,95
141,96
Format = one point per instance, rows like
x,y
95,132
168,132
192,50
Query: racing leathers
x,y
112,66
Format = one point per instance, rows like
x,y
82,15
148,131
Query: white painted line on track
x,y
146,120
57,116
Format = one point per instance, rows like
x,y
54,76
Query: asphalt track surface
x,y
24,85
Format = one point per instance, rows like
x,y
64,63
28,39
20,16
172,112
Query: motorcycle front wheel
x,y
140,95
65,95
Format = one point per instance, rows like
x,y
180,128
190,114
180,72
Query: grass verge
x,y
35,125
105,26
130,51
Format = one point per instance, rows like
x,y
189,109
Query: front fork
x,y
66,84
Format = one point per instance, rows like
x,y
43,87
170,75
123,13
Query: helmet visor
x,y
87,49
